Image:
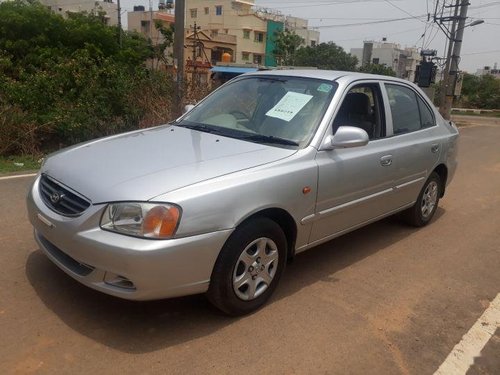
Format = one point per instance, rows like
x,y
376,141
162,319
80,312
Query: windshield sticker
x,y
289,106
324,87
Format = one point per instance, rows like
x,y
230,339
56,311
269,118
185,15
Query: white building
x,y
403,61
301,27
495,72
63,7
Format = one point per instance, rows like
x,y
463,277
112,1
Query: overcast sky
x,y
481,45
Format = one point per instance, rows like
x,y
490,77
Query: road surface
x,y
386,299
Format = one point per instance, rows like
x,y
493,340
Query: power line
x,y
363,23
482,52
402,10
322,4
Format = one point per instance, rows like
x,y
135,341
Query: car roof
x,y
331,75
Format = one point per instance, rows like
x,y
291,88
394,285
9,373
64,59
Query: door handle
x,y
435,148
385,161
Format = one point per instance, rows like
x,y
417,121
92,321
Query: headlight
x,y
149,220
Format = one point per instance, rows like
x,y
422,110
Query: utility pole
x,y
119,23
446,76
453,58
196,46
180,14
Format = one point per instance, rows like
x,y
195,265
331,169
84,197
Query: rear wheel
x,y
249,267
427,202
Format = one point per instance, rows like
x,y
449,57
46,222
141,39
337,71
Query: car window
x,y
404,109
426,116
251,108
362,108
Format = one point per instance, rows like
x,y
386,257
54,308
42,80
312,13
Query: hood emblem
x,y
55,197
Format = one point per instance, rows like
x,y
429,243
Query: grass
x,y
11,164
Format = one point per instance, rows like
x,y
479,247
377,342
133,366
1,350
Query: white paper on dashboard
x,y
289,106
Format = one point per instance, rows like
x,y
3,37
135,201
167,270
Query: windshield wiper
x,y
200,127
269,139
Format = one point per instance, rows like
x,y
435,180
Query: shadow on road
x,y
139,327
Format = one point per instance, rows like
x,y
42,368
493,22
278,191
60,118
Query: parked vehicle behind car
x,y
267,166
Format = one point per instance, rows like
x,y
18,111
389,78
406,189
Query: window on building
x,y
376,60
257,59
207,10
259,37
214,33
145,27
218,10
246,34
245,56
313,43
226,31
194,13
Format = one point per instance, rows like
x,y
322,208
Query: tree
x,y
378,69
480,92
64,81
287,44
326,56
161,48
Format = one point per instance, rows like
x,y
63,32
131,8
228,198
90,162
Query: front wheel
x,y
422,212
249,267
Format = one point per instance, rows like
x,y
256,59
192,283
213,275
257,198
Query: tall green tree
x,y
326,56
287,43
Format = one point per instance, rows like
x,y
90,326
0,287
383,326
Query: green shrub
x,y
64,81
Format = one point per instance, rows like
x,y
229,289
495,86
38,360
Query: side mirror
x,y
346,137
187,108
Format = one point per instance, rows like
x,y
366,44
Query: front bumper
x,y
102,260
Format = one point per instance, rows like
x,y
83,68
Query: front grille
x,y
60,199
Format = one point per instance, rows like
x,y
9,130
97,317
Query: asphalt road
x,y
386,299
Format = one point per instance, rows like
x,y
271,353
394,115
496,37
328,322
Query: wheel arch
x,y
442,172
284,220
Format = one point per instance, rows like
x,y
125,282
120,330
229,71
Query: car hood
x,y
144,164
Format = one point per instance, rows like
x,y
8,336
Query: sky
x,y
374,19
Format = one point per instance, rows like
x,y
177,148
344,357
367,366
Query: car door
x,y
416,144
355,185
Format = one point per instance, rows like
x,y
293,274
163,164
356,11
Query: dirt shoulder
x,y
465,120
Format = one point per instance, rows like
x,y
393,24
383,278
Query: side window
x,y
404,109
426,116
362,107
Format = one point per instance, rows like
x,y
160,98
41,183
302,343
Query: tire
x,y
421,213
249,267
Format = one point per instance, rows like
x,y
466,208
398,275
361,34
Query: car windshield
x,y
282,111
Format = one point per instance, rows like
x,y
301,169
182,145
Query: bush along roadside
x,y
64,81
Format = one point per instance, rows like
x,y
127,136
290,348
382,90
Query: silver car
x,y
269,165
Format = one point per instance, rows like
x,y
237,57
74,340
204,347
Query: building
x,y
143,22
253,28
495,72
228,32
403,61
231,17
301,27
107,8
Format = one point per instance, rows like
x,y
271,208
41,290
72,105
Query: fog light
x,y
118,281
